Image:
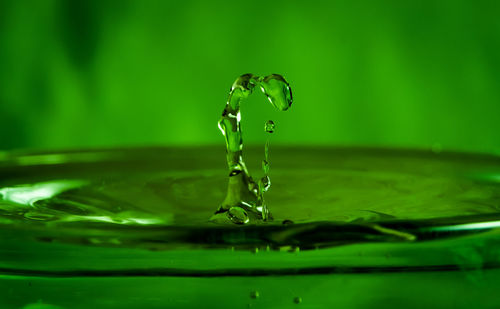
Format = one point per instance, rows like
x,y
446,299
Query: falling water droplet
x,y
269,126
254,294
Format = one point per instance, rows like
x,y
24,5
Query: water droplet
x,y
269,126
297,300
238,215
264,183
285,248
254,294
266,153
277,90
265,167
287,222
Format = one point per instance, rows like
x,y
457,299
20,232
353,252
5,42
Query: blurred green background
x,y
127,73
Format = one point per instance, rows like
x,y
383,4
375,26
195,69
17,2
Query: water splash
x,y
244,200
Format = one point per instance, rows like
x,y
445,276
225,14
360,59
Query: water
x,y
351,227
254,294
177,187
244,195
269,126
128,228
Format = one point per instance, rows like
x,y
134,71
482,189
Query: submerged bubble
x,y
269,126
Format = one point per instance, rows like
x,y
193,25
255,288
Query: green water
x,y
128,228
178,187
244,201
350,227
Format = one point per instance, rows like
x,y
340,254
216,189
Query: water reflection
x,y
31,193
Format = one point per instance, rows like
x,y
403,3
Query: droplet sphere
x,y
269,126
254,294
277,90
238,215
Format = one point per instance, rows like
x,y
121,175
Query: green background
x,y
420,74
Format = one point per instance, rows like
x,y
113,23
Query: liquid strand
x,y
244,201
